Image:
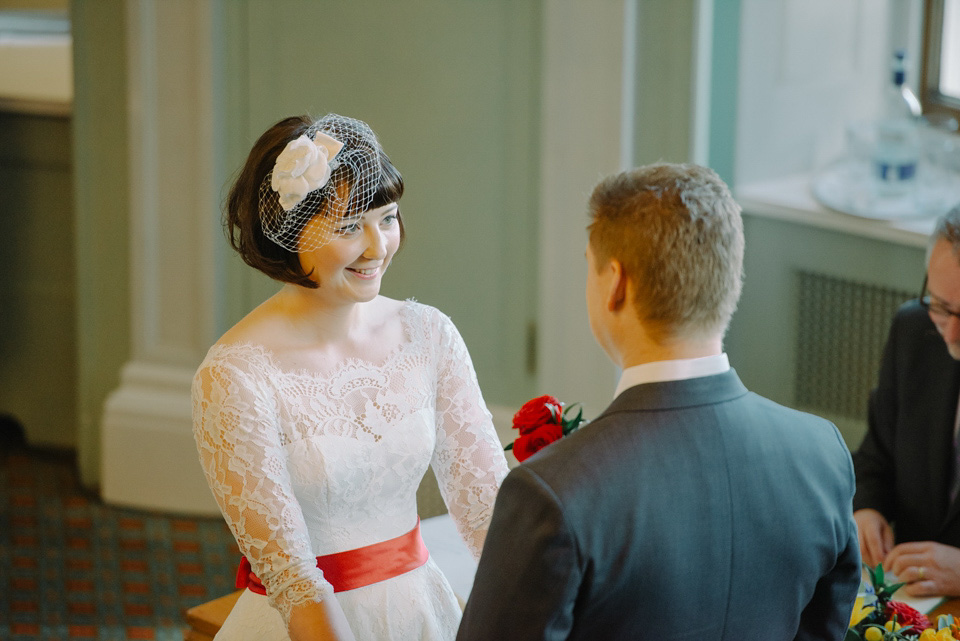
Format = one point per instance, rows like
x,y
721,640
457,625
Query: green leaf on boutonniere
x,y
570,424
508,446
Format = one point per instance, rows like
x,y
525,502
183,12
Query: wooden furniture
x,y
205,619
950,606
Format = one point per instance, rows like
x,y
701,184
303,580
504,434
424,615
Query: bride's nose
x,y
376,243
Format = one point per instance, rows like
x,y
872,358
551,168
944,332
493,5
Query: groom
x,y
690,508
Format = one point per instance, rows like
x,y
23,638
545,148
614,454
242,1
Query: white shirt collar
x,y
675,370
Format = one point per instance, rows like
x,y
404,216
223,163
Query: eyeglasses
x,y
934,307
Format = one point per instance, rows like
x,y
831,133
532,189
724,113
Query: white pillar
x,y
620,89
149,457
582,140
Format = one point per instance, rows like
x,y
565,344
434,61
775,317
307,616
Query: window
x,y
940,91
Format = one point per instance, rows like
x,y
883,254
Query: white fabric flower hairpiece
x,y
324,176
303,166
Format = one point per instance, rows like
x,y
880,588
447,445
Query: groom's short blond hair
x,y
678,233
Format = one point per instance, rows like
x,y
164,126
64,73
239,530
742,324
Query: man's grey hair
x,y
948,229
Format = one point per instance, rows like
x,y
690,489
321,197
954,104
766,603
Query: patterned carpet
x,y
73,568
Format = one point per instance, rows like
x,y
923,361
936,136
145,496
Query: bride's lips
x,y
368,273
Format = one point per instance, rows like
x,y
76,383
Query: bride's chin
x,y
366,297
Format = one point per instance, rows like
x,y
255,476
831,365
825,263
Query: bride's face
x,y
351,265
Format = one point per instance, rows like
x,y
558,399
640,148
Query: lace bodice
x,y
304,464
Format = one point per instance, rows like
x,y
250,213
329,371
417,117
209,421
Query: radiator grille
x,y
842,328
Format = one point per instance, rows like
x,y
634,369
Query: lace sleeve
x,y
468,460
235,427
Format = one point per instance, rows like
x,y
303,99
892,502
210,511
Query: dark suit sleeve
x,y
529,573
874,460
827,615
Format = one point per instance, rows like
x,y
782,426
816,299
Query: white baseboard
x,y
149,455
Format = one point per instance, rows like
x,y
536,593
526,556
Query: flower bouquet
x,y
884,619
542,421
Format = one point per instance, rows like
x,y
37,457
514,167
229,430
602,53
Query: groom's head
x,y
675,235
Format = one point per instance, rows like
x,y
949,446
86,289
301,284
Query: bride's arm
x,y
245,465
468,459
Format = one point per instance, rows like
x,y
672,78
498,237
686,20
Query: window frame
x,y
931,99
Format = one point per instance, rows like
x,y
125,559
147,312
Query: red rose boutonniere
x,y
542,421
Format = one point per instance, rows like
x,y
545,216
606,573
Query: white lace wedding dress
x,y
305,465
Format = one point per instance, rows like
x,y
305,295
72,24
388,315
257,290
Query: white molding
x,y
702,73
790,199
595,116
142,101
36,69
149,458
581,141
628,84
36,107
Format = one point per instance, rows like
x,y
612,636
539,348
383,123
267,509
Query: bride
x,y
317,414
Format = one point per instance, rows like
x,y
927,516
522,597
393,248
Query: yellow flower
x,y
873,634
944,635
859,612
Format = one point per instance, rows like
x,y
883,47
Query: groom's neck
x,y
642,348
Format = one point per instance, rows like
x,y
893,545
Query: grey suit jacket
x,y
688,510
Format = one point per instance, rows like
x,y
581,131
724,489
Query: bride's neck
x,y
306,311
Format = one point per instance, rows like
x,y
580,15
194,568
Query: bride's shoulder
x,y
416,312
427,321
255,336
259,327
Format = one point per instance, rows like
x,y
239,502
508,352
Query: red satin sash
x,y
356,568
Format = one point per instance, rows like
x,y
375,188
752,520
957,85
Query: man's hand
x,y
875,534
926,567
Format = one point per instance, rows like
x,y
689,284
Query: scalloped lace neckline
x,y
407,310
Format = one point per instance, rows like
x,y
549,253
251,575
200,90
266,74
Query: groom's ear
x,y
616,286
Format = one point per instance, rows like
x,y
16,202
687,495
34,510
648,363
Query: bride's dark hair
x,y
242,217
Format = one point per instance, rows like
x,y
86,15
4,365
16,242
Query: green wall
x,y
101,228
37,295
37,322
765,335
451,87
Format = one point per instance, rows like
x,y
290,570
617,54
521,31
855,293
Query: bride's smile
x,y
350,267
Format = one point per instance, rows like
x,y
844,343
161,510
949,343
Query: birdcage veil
x,y
329,173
